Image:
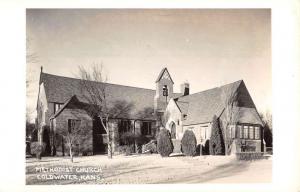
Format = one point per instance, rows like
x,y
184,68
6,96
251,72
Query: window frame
x,y
55,105
72,123
246,131
148,128
257,129
124,123
251,129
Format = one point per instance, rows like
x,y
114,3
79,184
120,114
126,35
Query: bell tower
x,y
164,90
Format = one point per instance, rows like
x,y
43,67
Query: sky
x,y
205,47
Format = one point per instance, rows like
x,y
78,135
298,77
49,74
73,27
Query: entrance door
x,y
99,137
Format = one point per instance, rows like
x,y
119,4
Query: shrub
x,y
189,143
132,140
150,147
37,149
127,138
126,149
216,143
164,143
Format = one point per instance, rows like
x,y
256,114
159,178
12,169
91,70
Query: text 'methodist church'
x,y
59,97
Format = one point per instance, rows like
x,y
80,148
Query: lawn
x,y
146,169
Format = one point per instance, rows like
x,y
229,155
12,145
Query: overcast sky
x,y
206,47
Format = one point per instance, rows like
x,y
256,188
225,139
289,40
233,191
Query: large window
x,y
248,131
146,128
73,124
257,133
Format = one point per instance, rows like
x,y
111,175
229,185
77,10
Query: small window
x,y
165,91
146,128
245,132
73,124
257,133
251,132
57,106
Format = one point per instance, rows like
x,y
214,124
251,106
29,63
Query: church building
x,y
60,107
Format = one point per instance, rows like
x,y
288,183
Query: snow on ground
x,y
141,169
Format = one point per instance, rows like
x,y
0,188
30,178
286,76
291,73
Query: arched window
x,y
165,91
173,130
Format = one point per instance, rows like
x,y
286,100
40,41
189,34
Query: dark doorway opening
x,y
46,140
99,137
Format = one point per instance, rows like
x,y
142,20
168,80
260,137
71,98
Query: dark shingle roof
x,y
247,115
60,89
202,106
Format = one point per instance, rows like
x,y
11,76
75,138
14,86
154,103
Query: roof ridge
x,y
211,89
98,82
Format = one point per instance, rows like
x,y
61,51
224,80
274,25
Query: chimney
x,y
185,88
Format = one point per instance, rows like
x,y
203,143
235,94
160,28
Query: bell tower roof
x,y
164,74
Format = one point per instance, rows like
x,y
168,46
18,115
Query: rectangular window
x,y
73,124
146,128
240,129
246,132
257,133
124,126
251,132
57,106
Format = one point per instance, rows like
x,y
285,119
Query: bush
x,y
126,149
164,143
216,143
127,138
37,149
189,143
130,139
150,147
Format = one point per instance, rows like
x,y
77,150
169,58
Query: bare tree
x,y
73,134
93,88
268,129
31,59
231,114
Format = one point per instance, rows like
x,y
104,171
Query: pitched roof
x,y
202,106
161,74
247,115
60,89
72,99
